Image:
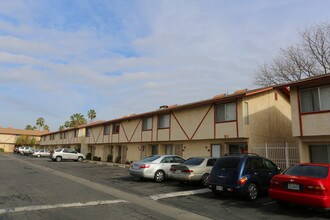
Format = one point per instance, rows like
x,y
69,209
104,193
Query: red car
x,y
305,184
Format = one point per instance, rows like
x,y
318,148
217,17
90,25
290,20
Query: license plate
x,y
219,188
293,186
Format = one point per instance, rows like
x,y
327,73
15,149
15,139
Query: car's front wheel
x,y
58,159
159,176
80,159
252,192
38,155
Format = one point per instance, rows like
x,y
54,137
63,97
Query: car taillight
x,y
142,166
187,171
274,182
242,180
317,188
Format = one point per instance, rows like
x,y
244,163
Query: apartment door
x,y
238,148
215,150
154,149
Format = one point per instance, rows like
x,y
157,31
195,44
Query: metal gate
x,y
283,155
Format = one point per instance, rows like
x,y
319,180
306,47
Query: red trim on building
x,y
201,122
237,132
299,112
135,130
124,133
180,126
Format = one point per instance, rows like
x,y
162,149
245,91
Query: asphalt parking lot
x,y
38,188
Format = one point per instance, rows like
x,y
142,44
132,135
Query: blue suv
x,y
244,174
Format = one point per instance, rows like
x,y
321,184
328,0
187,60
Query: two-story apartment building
x,y
8,137
70,137
310,105
223,124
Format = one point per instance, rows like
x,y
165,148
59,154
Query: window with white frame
x,y
315,99
226,112
147,124
164,121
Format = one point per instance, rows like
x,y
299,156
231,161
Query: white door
x,y
215,150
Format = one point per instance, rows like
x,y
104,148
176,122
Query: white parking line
x,y
182,193
269,203
68,205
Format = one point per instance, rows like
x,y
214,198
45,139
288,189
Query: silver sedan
x,y
155,167
193,170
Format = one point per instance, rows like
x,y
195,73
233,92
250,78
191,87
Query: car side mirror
x,y
279,169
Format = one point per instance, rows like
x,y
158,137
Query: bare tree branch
x,y
308,58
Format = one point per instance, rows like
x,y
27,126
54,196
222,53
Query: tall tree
x,y
67,124
46,127
29,127
40,122
77,119
310,57
61,128
91,114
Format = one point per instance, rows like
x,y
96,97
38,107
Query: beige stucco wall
x,y
316,124
7,142
269,119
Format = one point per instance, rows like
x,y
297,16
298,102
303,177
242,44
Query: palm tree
x,y
29,127
40,122
77,119
46,127
91,114
67,124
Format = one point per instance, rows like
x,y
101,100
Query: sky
x,y
120,57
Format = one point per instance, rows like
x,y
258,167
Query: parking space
x,y
51,188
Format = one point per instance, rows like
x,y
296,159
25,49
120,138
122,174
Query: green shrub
x,y
2,150
97,158
110,158
88,156
118,159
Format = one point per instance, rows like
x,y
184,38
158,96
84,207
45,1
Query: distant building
x,y
8,137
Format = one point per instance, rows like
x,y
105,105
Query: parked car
x,y
305,184
195,169
243,174
41,153
155,167
21,149
24,150
66,154
16,150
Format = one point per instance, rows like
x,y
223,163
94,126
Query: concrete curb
x,y
107,163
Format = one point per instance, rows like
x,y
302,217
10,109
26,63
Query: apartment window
x,y
61,135
115,128
315,99
106,130
88,132
226,112
51,137
164,121
147,124
246,113
64,134
76,133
